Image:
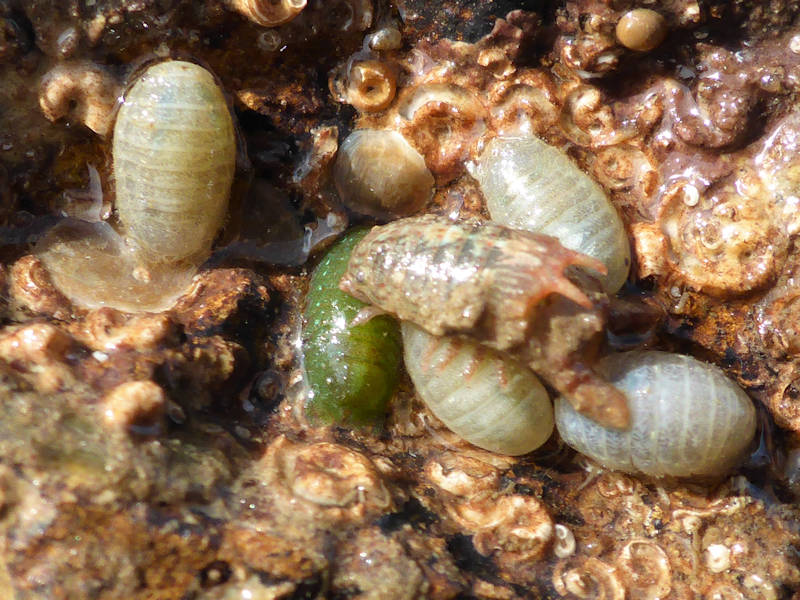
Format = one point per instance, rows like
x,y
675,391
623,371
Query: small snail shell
x,y
174,155
269,13
531,185
378,173
687,418
352,370
641,29
487,398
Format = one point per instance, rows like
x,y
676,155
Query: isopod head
x,y
352,370
531,185
486,397
174,154
687,418
378,173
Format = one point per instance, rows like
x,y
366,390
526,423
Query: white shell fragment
x,y
487,398
687,418
378,173
174,158
531,185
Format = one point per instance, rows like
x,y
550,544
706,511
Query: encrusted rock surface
x,y
168,456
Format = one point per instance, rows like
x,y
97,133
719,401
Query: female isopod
x,y
352,370
174,155
687,418
531,185
378,173
487,398
504,287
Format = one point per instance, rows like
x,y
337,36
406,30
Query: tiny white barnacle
x,y
529,184
687,418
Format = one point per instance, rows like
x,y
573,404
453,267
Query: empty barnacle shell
x,y
371,85
83,89
487,398
269,13
531,185
378,173
687,418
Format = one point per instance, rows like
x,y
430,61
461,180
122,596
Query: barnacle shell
x,y
487,398
531,185
85,89
687,418
378,173
269,13
371,85
174,158
352,370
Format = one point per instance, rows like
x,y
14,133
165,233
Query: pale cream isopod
x,y
484,396
531,185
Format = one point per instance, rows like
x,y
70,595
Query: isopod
x,y
378,173
174,155
487,398
352,370
687,418
504,287
531,185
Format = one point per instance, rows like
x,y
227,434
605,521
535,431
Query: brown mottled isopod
x,y
504,287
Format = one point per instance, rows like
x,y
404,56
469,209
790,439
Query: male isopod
x,y
687,418
352,370
504,287
487,398
531,185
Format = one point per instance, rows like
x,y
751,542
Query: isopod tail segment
x,y
593,397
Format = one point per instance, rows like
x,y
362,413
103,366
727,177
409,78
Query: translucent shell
x,y
531,185
378,173
487,398
352,370
687,418
174,155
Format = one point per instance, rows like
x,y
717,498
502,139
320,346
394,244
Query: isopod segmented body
x,y
174,154
687,418
487,398
352,370
504,287
531,185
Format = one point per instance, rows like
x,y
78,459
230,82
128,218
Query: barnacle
x,y
269,13
81,89
371,85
